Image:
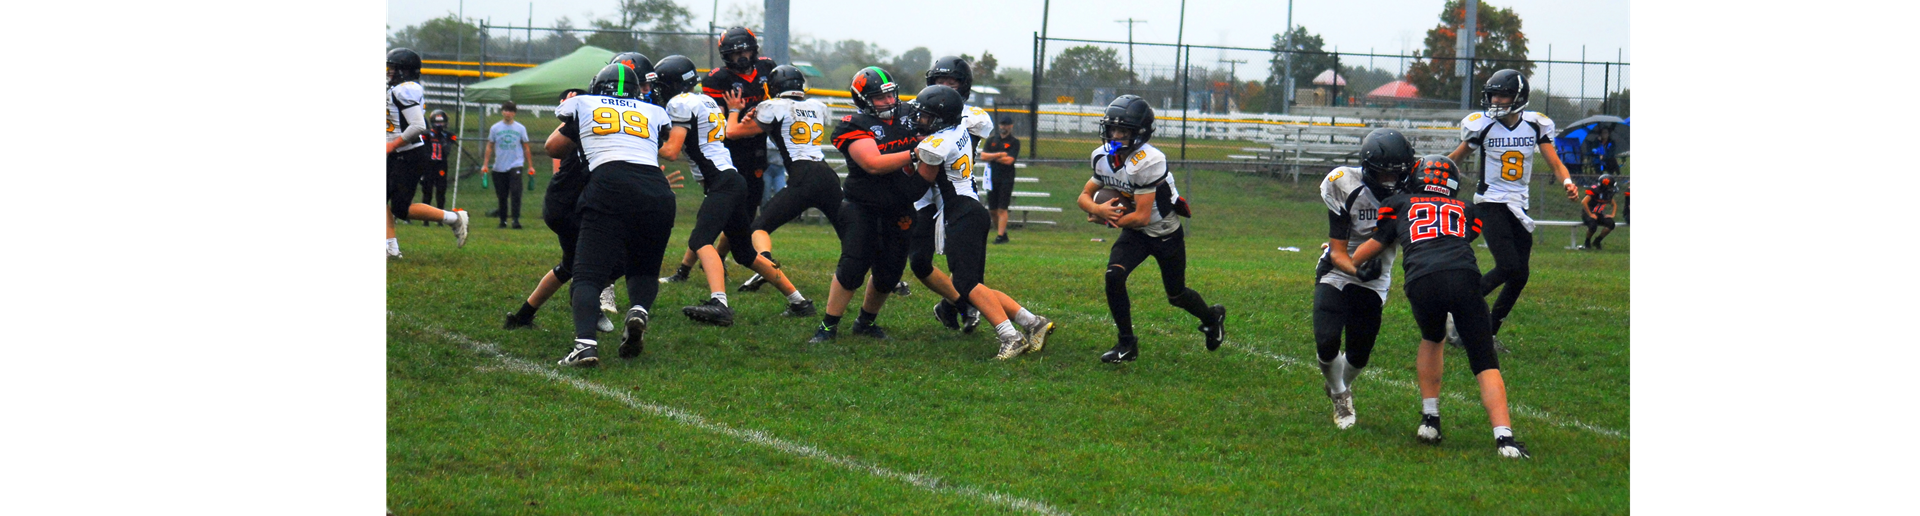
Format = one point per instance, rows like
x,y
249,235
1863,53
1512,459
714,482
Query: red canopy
x,y
1395,89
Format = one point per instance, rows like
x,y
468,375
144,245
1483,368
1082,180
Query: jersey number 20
x,y
1449,219
610,122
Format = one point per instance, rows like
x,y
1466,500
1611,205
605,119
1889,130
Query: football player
x,y
1126,162
728,206
1435,233
1599,210
569,177
433,184
1507,137
407,152
797,127
948,158
954,73
745,73
880,189
1350,303
625,210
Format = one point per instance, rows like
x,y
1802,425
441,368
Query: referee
x,y
999,153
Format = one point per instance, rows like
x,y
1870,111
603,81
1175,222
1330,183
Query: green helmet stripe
x,y
883,74
620,88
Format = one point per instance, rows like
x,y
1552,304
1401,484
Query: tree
x,y
1306,62
748,15
636,15
1078,70
444,35
1500,45
984,69
910,69
1618,103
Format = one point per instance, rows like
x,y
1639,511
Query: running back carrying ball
x,y
1107,196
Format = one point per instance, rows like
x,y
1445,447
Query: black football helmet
x,y
787,81
1385,157
674,75
1129,111
437,120
938,107
739,39
955,68
403,65
616,80
1434,174
1607,183
870,84
1505,82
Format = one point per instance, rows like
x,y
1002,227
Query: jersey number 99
x,y
610,122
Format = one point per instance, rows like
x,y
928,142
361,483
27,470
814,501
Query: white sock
x,y
1006,329
393,245
1502,431
585,342
1348,372
722,296
1430,406
795,297
1337,374
449,217
1025,317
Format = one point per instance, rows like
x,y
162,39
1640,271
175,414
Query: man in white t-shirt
x,y
508,151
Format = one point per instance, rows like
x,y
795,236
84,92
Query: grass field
x,y
752,420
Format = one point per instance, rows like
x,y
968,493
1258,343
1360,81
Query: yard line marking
x,y
920,480
1289,362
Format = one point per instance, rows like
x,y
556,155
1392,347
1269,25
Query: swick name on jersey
x,y
1142,172
799,127
1353,212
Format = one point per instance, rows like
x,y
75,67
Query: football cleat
x,y
711,312
1038,332
870,330
1343,416
802,308
633,340
607,304
1127,350
1453,334
970,321
823,334
515,323
1499,347
944,312
460,228
1510,448
1011,346
1429,431
901,289
753,283
1217,332
1001,239
394,254
583,355
605,325
675,278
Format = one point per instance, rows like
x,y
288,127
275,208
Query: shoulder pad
x,y
1475,121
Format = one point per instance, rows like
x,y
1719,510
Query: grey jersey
x,y
1352,215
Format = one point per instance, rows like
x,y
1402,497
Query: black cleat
x,y
516,224
901,289
1127,350
801,309
515,323
1217,331
1429,431
711,312
869,330
1001,239
970,320
1510,448
823,334
633,340
677,277
753,283
944,312
584,354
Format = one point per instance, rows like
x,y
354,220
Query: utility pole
x,y
775,44
713,22
1130,22
1039,61
1469,36
1286,106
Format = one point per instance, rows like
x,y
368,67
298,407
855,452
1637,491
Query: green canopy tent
x,y
541,85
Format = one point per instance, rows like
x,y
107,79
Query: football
x,y
1107,195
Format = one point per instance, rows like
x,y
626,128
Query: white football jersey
x,y
401,97
952,150
1346,195
978,124
1506,153
1143,172
799,126
706,132
615,129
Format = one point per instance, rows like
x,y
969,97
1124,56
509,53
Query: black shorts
x,y
920,241
810,184
435,175
966,245
750,158
1455,292
560,217
874,239
1599,222
404,169
726,210
1002,194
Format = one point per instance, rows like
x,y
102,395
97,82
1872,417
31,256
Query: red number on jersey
x,y
1449,219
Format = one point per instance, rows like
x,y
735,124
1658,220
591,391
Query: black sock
x,y
866,318
684,270
1194,304
829,321
526,311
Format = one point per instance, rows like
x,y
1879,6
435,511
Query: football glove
x,y
1369,270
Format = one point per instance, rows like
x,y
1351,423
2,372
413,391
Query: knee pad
x,y
1482,357
743,255
563,272
851,284
922,267
1115,272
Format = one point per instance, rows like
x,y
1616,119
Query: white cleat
x,y
1038,332
1343,416
606,325
1011,347
1453,334
607,304
459,228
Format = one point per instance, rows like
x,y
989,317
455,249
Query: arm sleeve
x,y
930,154
1338,225
1387,228
416,116
680,113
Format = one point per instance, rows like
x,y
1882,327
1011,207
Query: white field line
x,y
1515,408
920,480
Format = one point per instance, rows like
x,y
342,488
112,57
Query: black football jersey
x,y
753,88
899,188
1435,233
1598,195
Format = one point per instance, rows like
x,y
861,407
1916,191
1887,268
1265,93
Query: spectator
x,y
999,153
508,150
1599,151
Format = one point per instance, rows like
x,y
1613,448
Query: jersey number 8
x,y
610,122
1512,164
804,133
1450,220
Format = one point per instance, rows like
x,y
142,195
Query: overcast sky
x,y
1005,27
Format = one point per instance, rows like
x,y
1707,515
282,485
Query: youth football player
x,y
877,217
407,153
1599,209
1350,303
954,73
797,127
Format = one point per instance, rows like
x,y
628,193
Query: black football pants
x,y
1512,247
1129,251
